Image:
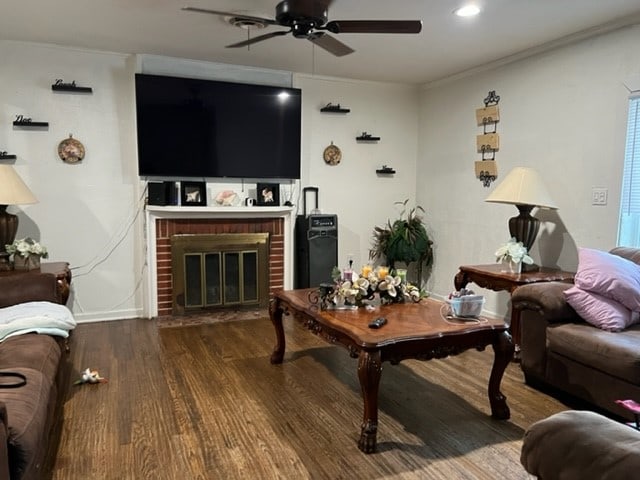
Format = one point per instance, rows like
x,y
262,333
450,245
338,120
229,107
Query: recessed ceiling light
x,y
467,11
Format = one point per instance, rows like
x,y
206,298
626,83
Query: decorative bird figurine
x,y
90,376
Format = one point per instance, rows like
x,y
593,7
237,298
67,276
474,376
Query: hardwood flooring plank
x,y
204,402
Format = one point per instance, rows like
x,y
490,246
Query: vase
x,y
511,266
514,267
32,262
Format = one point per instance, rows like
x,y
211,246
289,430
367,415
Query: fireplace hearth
x,y
165,222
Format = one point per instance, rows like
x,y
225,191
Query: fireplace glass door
x,y
220,273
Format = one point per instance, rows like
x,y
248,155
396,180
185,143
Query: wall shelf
x,y
7,156
367,137
385,170
26,122
59,86
331,108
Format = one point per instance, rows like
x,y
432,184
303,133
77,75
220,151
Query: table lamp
x,y
13,191
523,188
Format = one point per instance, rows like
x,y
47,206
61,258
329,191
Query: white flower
x,y
513,251
391,290
25,247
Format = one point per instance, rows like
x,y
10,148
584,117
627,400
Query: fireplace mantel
x,y
154,213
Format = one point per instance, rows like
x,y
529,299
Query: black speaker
x,y
316,249
162,193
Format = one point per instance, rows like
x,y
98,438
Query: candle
x,y
383,272
402,273
366,270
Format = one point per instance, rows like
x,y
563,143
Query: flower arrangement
x,y
358,290
26,247
513,251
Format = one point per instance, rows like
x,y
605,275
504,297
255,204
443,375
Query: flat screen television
x,y
203,128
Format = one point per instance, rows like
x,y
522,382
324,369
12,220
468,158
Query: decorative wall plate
x,y
332,154
71,150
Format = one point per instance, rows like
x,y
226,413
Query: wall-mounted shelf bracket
x,y
385,170
60,86
367,137
330,107
22,121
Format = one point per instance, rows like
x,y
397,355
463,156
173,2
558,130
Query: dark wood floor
x,y
203,402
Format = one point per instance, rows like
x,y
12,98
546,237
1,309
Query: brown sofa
x,y
561,351
580,445
30,416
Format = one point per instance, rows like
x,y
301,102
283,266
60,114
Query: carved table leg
x,y
503,351
369,371
275,313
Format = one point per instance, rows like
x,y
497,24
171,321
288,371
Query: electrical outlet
x,y
599,196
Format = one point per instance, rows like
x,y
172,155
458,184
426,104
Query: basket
x,y
466,306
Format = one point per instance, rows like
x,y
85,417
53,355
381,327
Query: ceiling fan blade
x,y
374,26
267,21
257,39
330,44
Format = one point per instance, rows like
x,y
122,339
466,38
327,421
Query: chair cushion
x,y
578,445
29,408
616,354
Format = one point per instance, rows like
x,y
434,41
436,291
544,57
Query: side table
x,y
59,269
492,277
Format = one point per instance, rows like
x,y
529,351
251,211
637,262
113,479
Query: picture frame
x,y
193,194
268,194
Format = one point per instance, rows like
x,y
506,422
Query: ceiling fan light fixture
x,y
469,10
246,23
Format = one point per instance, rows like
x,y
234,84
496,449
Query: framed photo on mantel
x,y
268,194
193,194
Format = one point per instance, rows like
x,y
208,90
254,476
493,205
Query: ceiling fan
x,y
309,19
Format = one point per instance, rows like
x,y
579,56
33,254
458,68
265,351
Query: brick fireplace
x,y
163,222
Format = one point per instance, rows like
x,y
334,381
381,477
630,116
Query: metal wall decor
x,y
489,142
332,155
71,150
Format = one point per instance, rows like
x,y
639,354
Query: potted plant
x,y
403,240
26,253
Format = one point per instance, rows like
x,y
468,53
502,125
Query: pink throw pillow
x,y
609,275
600,311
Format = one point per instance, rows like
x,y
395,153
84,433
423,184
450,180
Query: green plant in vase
x,y
403,240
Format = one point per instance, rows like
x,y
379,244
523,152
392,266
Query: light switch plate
x,y
599,196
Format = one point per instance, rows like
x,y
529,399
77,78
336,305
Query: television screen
x,y
204,128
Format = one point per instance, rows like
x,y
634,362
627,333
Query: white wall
x,y
89,213
352,189
84,209
563,113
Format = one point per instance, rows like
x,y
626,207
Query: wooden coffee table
x,y
413,330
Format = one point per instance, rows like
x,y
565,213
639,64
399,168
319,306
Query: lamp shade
x,y
522,186
13,190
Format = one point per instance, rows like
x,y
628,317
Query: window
x,y
629,224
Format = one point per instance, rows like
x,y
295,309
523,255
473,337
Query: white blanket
x,y
40,317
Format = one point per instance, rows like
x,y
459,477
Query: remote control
x,y
378,322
